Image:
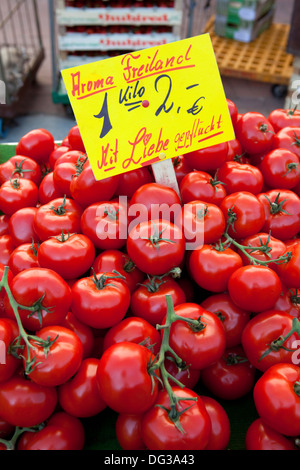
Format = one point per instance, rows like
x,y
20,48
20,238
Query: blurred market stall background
x,y
259,80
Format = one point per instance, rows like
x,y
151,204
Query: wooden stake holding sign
x,y
146,107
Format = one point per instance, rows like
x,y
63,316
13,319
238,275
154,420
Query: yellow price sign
x,y
141,107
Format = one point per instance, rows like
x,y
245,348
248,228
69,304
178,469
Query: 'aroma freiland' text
x,y
135,67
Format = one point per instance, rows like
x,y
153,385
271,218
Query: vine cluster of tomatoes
x,y
91,319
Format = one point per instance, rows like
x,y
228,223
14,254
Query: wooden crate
x,y
265,59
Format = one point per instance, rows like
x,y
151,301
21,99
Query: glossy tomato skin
x,y
84,333
100,306
17,194
75,139
233,111
282,213
48,191
160,257
199,346
260,436
65,170
128,431
105,223
71,256
276,398
248,212
133,329
254,132
86,190
211,268
254,287
23,167
289,271
34,284
288,138
4,224
276,248
208,159
240,177
181,167
117,260
220,424
234,319
36,144
198,217
148,301
21,226
24,403
201,186
23,257
62,432
186,375
55,216
150,201
7,246
289,301
62,361
280,118
56,154
280,169
131,181
123,379
80,395
159,431
9,363
262,332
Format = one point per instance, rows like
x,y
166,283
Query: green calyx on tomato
x,y
278,343
276,206
156,238
100,282
60,210
19,170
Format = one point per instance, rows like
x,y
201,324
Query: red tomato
x,y
70,256
181,167
183,373
244,213
211,268
56,154
62,432
63,358
208,159
4,224
201,222
17,194
235,152
21,226
80,395
55,216
100,301
234,319
123,378
24,403
288,138
75,139
116,260
274,248
233,111
23,167
200,186
277,400
231,377
280,118
260,436
136,330
44,290
131,181
282,213
154,201
160,428
156,246
254,132
105,223
7,246
66,168
84,333
48,190
289,301
86,190
201,344
23,257
254,288
220,424
240,177
289,272
128,431
8,363
261,339
148,301
36,144
280,169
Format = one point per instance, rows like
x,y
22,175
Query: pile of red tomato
x,y
139,324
